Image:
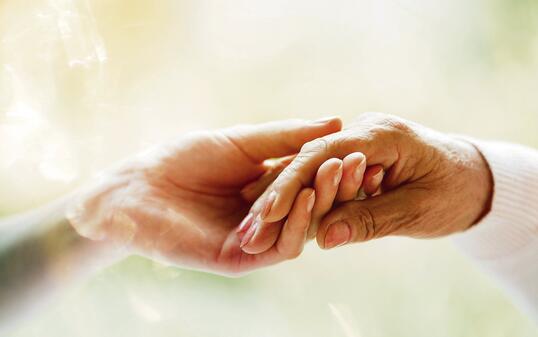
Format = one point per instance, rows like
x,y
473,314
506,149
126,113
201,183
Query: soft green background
x,y
86,83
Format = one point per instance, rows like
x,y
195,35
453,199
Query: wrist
x,y
86,215
72,253
479,183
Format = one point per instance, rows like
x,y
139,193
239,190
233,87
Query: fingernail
x,y
249,234
269,204
378,177
337,235
359,172
338,176
311,201
245,223
361,195
325,120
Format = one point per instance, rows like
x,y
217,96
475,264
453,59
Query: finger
x,y
300,173
252,218
258,235
279,139
326,186
353,172
254,190
393,213
293,236
245,224
261,236
373,177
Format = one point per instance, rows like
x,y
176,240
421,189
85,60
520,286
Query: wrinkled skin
x,y
435,184
182,202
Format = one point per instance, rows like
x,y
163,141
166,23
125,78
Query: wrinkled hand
x,y
435,184
182,202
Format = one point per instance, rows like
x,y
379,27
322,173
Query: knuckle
x,y
391,128
375,118
294,172
314,146
398,125
291,176
380,124
339,142
394,123
384,120
290,173
366,225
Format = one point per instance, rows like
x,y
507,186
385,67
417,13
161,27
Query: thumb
x,y
398,212
281,138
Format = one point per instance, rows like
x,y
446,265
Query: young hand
x,y
183,201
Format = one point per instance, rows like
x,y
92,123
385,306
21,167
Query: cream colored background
x,y
86,83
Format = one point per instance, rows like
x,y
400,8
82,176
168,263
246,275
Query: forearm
x,y
505,242
40,253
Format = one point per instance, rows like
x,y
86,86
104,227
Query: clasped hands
x,y
236,199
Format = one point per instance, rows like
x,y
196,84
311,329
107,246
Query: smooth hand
x,y
182,202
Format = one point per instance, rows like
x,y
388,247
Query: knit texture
x,y
505,242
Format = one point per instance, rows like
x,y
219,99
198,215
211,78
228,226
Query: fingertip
x,y
337,124
269,204
245,224
332,123
353,163
330,172
303,205
326,185
301,213
373,178
311,199
354,166
339,173
330,164
261,238
281,202
320,239
245,240
337,234
294,232
333,217
356,157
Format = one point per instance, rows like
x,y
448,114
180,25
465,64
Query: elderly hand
x,y
182,202
435,184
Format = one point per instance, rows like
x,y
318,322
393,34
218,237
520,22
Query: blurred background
x,y
84,84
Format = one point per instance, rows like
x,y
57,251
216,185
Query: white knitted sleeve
x,y
505,242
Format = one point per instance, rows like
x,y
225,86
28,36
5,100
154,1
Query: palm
x,y
182,202
199,182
